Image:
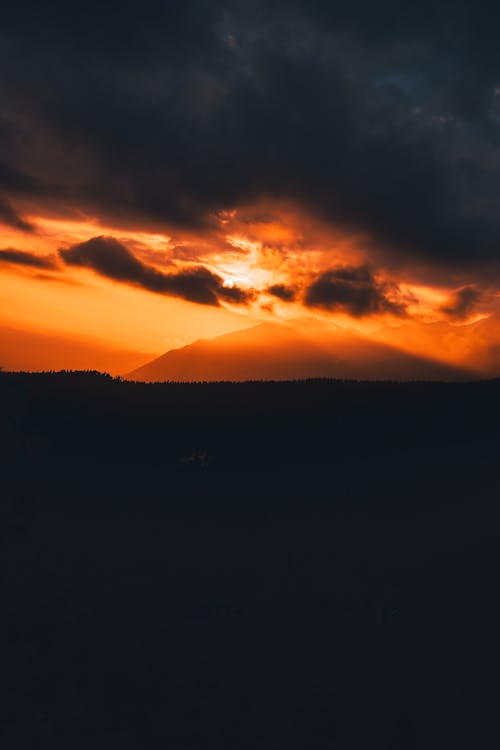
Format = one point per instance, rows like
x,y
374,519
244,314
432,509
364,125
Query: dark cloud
x,y
235,294
11,218
22,258
462,302
382,117
110,258
283,292
352,290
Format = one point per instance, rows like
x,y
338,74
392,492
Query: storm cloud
x,y
378,117
112,259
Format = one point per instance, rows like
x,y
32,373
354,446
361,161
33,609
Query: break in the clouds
x,y
354,291
112,259
379,117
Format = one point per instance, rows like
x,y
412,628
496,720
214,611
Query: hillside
x,y
274,351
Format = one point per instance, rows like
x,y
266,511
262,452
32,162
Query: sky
x,y
173,171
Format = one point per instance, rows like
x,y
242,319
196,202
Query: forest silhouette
x,y
186,564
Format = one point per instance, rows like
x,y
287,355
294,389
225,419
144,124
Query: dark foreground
x,y
329,580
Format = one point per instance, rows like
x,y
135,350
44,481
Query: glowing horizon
x,y
275,263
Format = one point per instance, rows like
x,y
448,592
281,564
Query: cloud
x,y
22,258
112,259
352,290
378,117
11,218
283,292
462,302
235,294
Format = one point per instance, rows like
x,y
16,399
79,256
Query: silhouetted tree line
x,y
179,557
347,428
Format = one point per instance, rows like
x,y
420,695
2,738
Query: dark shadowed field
x,y
256,565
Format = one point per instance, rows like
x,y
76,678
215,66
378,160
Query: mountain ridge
x,y
278,351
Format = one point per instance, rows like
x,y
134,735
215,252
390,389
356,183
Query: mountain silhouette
x,y
275,351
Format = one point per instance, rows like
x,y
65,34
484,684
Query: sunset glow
x,y
250,374
273,262
247,177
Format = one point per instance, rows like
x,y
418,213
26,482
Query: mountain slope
x,y
274,351
473,345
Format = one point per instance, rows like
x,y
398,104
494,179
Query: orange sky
x,y
186,170
253,249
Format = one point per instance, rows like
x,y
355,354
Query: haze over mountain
x,y
475,345
273,351
33,350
